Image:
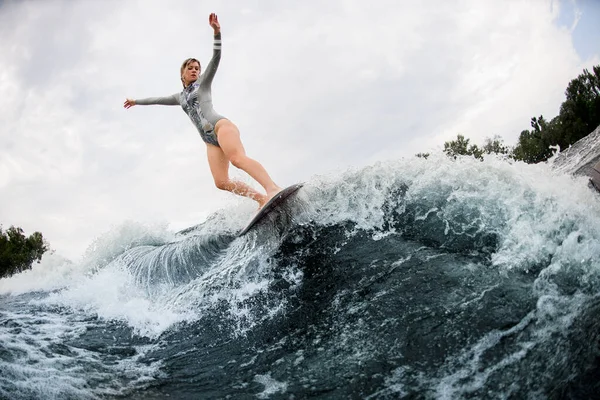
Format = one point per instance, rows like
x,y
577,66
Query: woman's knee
x,y
238,160
222,184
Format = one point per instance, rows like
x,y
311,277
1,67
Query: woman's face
x,y
191,72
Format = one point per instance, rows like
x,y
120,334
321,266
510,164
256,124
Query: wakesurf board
x,y
272,205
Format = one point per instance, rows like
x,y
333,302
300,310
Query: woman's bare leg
x,y
219,167
228,136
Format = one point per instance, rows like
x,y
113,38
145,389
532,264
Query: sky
x,y
314,87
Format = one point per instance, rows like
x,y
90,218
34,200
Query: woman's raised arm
x,y
213,64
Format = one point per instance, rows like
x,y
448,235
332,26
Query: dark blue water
x,y
415,278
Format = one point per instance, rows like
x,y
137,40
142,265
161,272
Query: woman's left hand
x,y
214,23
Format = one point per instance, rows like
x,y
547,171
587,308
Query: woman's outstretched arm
x,y
172,100
213,64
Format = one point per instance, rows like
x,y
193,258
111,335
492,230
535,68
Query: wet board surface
x,y
273,204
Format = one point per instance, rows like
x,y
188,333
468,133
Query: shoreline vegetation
x,y
18,252
578,117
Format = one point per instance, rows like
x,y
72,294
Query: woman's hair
x,y
185,65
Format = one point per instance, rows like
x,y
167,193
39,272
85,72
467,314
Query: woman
x,y
222,137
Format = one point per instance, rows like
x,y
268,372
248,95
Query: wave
x,y
442,277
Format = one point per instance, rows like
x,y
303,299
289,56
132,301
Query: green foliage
x,y
461,147
534,146
579,115
495,146
18,252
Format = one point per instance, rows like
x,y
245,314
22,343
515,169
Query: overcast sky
x,y
315,87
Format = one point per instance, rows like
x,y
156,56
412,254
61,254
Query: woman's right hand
x,y
213,21
129,103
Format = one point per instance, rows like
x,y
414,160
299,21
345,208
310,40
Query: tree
x,y
579,115
534,146
495,146
580,112
460,147
18,252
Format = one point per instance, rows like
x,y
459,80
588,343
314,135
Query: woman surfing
x,y
222,137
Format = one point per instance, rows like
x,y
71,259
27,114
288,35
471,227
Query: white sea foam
x,y
43,364
112,295
271,386
51,273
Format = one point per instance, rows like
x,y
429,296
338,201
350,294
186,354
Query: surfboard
x,y
273,204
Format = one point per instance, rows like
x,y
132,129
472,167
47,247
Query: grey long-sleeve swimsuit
x,y
196,99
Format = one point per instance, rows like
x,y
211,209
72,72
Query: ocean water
x,y
413,278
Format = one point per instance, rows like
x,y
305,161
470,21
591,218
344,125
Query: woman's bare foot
x,y
261,201
270,194
273,193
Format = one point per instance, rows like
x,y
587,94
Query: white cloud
x,y
312,86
